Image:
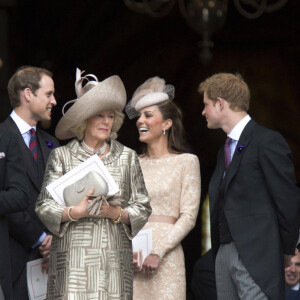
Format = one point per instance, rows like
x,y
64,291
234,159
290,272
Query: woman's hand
x,y
151,263
107,211
110,211
114,212
79,211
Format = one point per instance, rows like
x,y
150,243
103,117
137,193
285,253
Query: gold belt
x,y
162,219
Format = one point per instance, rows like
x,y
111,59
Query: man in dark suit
x,y
13,197
31,93
292,278
254,199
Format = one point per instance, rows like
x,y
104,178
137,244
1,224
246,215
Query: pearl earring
x,y
164,132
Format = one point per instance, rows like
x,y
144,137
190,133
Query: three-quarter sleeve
x,y
129,176
138,207
47,209
188,206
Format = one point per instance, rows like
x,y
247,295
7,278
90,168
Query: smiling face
x,y
150,124
292,273
42,101
98,128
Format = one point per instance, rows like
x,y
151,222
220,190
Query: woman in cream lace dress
x,y
172,178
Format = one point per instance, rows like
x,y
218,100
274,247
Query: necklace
x,y
91,150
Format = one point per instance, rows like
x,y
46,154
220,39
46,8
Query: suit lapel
x,y
216,180
239,152
44,152
44,149
29,162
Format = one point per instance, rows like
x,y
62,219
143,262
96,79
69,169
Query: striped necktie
x,y
33,144
227,152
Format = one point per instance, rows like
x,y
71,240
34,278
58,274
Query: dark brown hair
x,y
25,77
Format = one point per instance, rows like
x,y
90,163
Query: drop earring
x,y
164,132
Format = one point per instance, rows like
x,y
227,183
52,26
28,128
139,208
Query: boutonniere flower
x,y
49,145
240,148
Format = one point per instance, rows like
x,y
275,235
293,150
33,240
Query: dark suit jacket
x,y
25,227
203,283
13,197
292,295
262,205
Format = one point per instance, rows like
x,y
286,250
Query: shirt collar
x,y
21,124
237,130
295,287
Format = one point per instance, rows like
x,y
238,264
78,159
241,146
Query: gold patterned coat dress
x,y
173,183
92,258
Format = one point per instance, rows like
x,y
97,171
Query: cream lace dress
x,y
173,183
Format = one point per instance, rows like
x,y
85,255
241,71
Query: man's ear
x,y
168,124
27,94
221,103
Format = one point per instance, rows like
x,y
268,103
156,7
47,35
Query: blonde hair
x,y
79,129
230,87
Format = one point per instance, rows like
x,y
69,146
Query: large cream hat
x,y
93,98
153,91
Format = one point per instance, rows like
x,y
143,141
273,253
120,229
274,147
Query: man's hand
x,y
44,247
45,266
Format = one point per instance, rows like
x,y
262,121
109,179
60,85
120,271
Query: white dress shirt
x,y
296,287
236,132
23,127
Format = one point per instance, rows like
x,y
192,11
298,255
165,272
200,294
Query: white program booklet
x,y
94,163
36,280
143,241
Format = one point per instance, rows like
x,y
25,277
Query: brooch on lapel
x,y
240,148
2,155
49,144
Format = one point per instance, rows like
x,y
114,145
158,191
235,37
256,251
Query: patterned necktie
x,y
33,143
227,152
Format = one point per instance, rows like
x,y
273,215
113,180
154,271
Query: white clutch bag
x,y
75,192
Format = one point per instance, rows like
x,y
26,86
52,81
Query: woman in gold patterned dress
x,y
172,178
91,255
